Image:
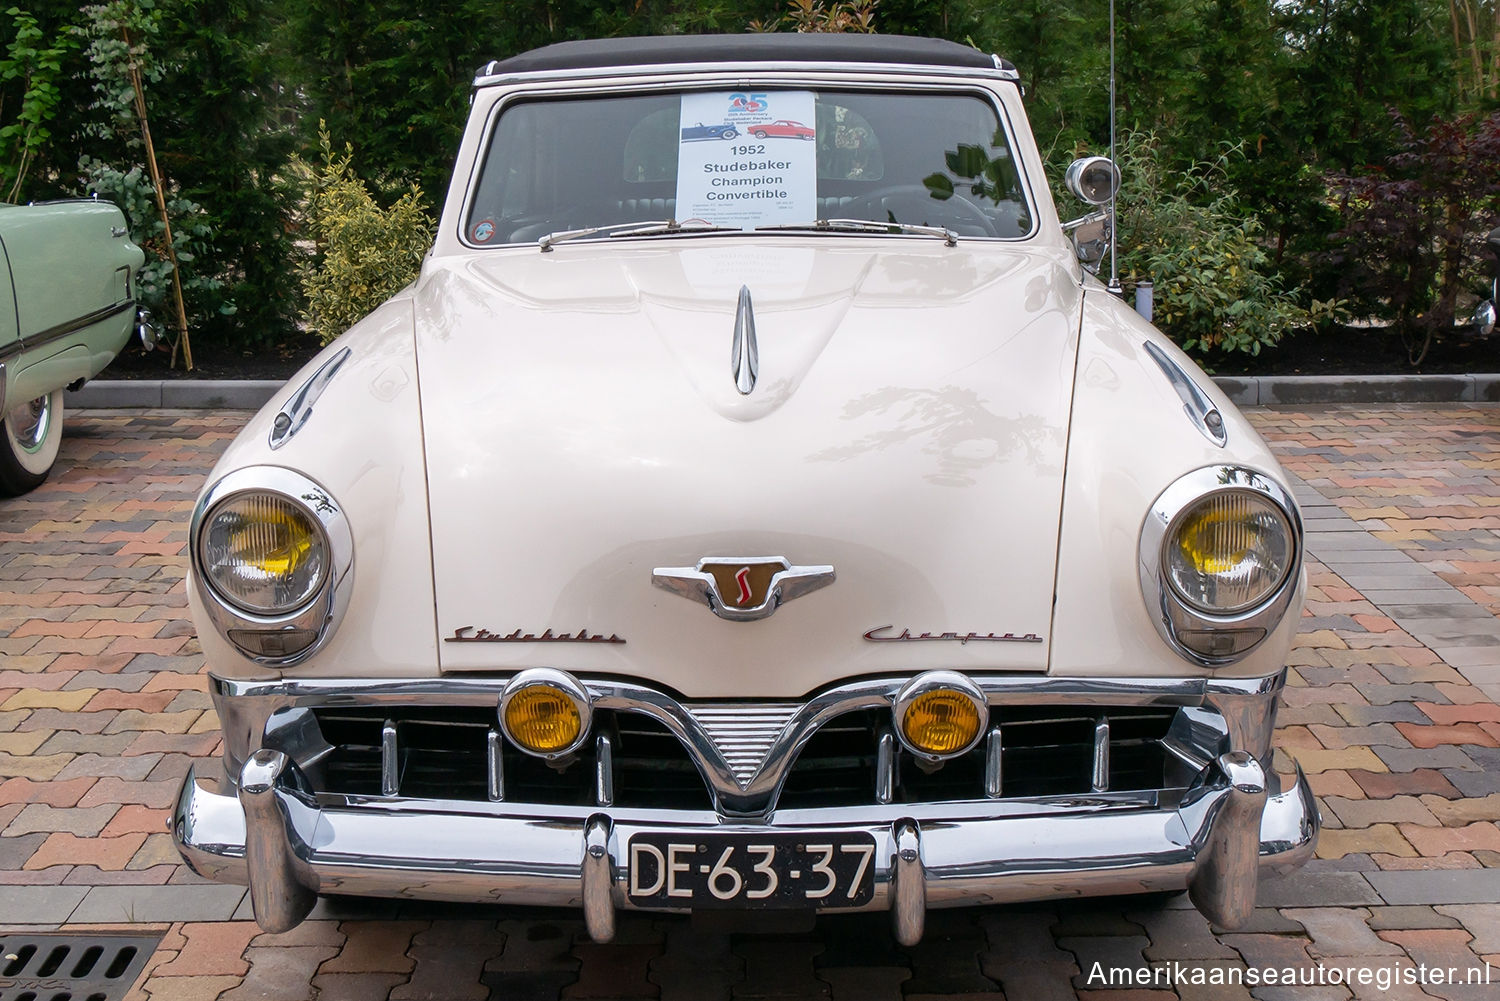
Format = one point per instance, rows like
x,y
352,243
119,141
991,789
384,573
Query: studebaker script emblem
x,y
907,637
468,634
742,588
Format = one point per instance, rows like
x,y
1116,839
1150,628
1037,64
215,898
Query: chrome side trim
x,y
1170,614
294,415
62,330
1195,403
745,352
247,708
326,608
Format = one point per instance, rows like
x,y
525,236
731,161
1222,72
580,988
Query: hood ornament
x,y
742,589
745,356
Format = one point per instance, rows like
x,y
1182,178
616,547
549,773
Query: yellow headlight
x,y
1230,552
263,553
542,719
942,721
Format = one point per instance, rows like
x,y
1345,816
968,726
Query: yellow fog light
x,y
545,712
940,715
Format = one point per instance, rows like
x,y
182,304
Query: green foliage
x,y
35,68
1216,291
856,16
192,237
365,253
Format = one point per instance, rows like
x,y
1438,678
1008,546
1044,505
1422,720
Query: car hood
x,y
908,428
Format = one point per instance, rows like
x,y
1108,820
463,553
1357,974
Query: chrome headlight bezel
x,y
254,634
1204,637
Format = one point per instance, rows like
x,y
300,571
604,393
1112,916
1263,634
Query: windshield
x,y
748,160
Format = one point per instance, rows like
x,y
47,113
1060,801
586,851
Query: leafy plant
x,y
365,253
37,68
856,16
1215,288
192,235
1413,226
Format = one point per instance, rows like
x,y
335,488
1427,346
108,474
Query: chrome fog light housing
x,y
545,712
272,552
1219,555
940,715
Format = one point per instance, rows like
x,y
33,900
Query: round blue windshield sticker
x,y
484,230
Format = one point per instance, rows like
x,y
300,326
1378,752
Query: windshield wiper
x,y
655,228
868,226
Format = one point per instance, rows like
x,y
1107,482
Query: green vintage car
x,y
67,306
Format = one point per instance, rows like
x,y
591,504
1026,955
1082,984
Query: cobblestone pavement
x,y
1392,711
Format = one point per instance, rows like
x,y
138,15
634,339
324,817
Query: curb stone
x,y
1244,391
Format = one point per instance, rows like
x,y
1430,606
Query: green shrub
x,y
1216,289
365,254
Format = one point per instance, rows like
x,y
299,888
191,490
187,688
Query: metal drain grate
x,y
71,967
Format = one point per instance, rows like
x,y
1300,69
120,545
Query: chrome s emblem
x,y
742,588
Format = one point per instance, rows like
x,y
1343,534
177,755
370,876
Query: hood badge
x,y
745,355
742,588
907,637
468,634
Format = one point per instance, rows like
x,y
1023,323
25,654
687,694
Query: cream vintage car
x,y
747,524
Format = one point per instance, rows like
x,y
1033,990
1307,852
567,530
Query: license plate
x,y
748,871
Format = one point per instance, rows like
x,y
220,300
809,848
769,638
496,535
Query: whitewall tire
x,y
28,447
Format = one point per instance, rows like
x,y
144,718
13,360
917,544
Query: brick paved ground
x,y
1392,712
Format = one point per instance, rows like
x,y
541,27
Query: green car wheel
x,y
33,433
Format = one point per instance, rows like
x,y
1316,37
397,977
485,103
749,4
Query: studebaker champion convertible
x,y
67,307
746,526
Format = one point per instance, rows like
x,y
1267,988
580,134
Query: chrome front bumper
x,y
289,845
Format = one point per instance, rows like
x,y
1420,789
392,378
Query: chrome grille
x,y
634,761
743,734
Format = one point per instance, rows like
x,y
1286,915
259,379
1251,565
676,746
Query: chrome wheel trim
x,y
30,423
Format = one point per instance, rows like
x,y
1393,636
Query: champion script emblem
x,y
907,637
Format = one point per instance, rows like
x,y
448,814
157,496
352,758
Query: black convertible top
x,y
746,48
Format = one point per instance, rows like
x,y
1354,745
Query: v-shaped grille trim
x,y
742,734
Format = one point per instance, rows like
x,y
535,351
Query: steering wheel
x,y
913,204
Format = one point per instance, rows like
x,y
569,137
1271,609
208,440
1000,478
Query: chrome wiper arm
x,y
650,228
868,226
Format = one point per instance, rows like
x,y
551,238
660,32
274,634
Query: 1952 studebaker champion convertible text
x,y
747,524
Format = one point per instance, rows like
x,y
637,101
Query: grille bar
x,y
1100,778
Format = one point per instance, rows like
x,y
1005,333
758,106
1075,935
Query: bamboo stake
x,y
161,203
